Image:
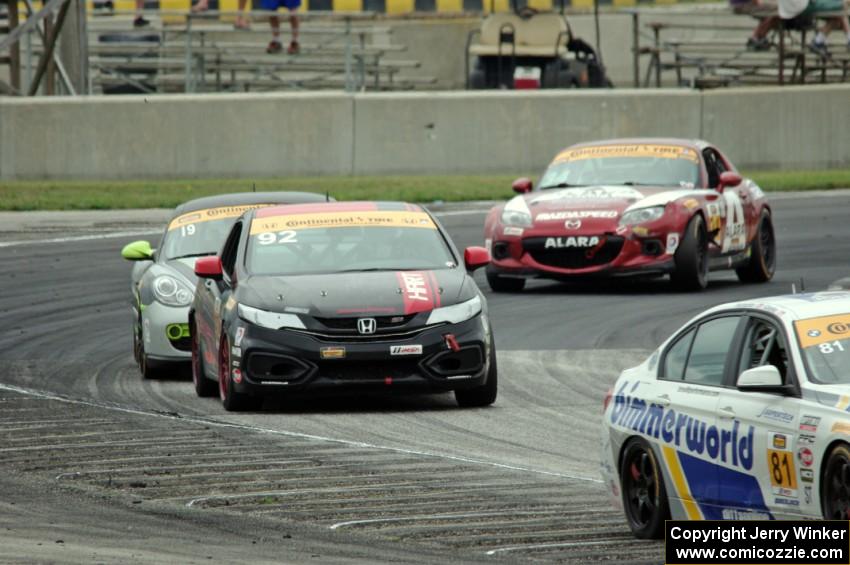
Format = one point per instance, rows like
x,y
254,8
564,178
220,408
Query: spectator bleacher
x,y
185,52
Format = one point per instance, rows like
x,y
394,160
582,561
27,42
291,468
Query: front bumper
x,y
618,255
156,318
265,361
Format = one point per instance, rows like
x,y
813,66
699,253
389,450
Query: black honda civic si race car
x,y
340,296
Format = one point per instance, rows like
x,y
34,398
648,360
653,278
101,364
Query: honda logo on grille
x,y
367,325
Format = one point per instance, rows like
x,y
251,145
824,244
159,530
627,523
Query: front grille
x,y
349,325
573,257
358,338
369,370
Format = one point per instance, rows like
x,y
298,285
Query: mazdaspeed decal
x,y
208,214
369,218
732,446
628,150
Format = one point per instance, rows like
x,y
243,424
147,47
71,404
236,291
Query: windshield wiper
x,y
635,183
562,185
376,269
202,254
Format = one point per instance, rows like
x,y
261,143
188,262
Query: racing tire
x,y
149,369
762,263
484,395
567,79
204,387
504,284
232,400
835,484
691,258
642,488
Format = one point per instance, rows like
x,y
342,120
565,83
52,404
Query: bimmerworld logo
x,y
733,446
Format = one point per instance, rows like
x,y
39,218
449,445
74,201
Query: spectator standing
x,y
140,21
241,22
274,21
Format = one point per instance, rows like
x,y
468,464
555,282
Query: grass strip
x,y
107,195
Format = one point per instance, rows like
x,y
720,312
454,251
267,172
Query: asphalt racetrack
x,y
122,469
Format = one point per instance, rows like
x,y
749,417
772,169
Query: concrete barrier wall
x,y
503,131
266,135
176,136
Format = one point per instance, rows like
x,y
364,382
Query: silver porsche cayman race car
x,y
163,280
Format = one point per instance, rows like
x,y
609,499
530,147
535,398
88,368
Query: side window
x,y
709,351
677,357
228,253
719,165
764,345
711,168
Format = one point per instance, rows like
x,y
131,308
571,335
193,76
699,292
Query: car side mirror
x,y
137,251
765,378
209,268
475,258
522,185
728,178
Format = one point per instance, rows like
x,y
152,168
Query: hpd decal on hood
x,y
419,290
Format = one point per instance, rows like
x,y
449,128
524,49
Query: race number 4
x,y
735,234
268,238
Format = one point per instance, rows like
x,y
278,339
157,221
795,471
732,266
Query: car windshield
x,y
825,342
340,242
631,165
201,232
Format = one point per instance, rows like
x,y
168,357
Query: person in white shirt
x,y
790,9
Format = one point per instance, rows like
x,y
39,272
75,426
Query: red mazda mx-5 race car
x,y
632,207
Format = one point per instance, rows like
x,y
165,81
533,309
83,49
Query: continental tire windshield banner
x,y
366,218
630,150
211,214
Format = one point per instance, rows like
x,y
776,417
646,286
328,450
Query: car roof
x,y
247,198
796,306
692,143
337,207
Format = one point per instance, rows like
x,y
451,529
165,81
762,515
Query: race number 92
x,y
269,238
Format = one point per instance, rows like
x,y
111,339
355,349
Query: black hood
x,y
383,293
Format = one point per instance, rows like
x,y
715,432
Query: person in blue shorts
x,y
274,20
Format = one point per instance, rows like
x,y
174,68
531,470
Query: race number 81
x,y
781,466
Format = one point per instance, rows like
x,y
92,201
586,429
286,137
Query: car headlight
x,y
642,216
171,292
516,213
457,313
271,320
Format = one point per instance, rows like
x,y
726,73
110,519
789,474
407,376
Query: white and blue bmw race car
x,y
744,413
